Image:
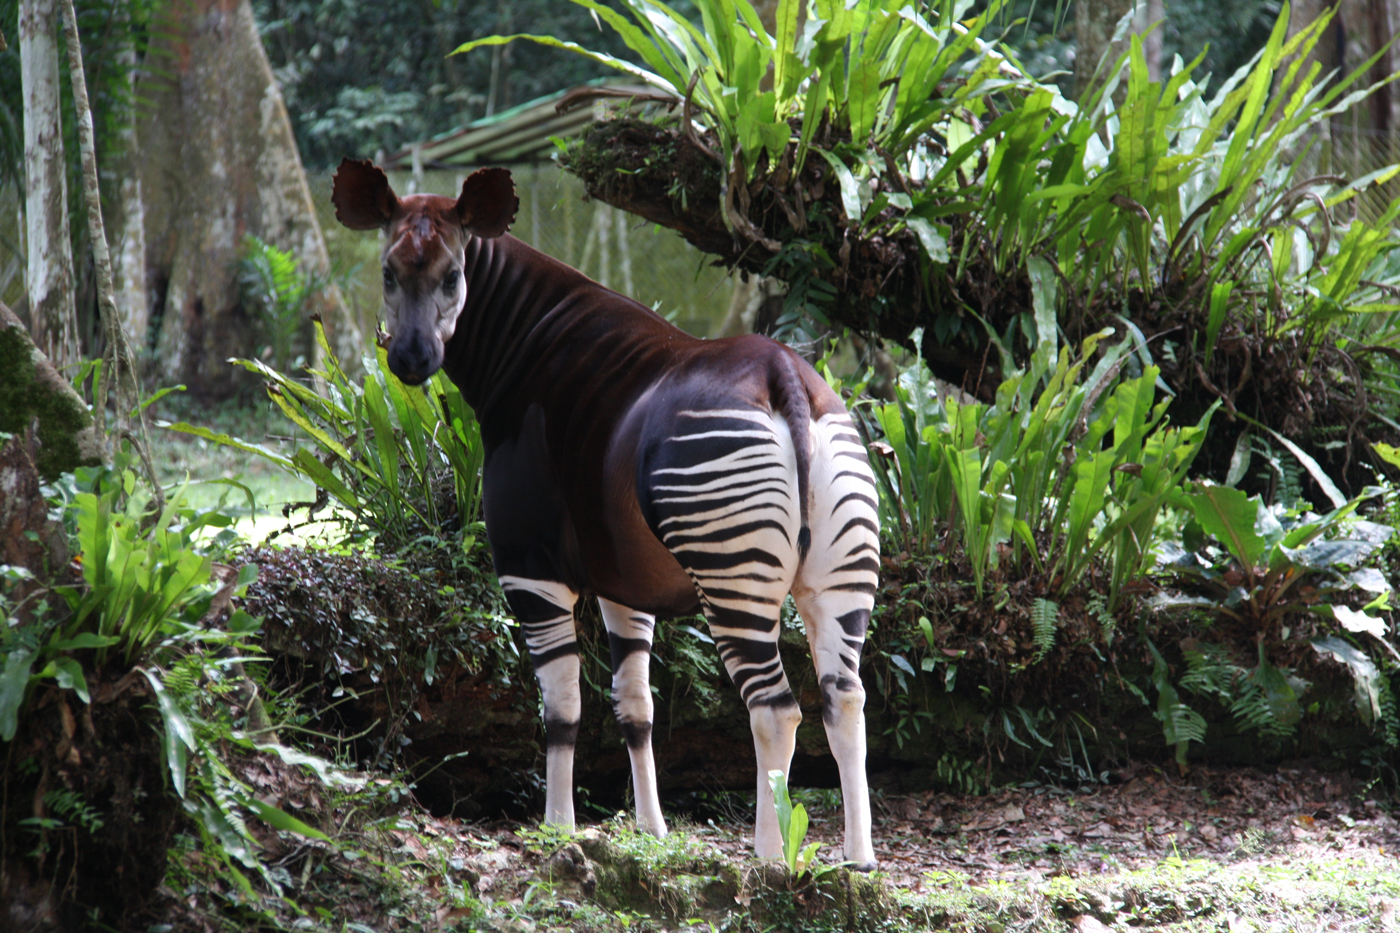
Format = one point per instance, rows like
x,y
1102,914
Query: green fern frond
x,y
1209,671
1184,724
1045,617
1252,711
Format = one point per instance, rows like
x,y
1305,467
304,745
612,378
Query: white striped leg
x,y
836,643
545,609
751,657
629,638
835,592
725,494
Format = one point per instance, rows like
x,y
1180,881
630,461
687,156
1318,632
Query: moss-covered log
x,y
792,226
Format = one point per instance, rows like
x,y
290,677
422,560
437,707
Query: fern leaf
x,y
1045,617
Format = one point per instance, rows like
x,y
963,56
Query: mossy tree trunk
x,y
220,163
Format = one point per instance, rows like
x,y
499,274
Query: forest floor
x,y
1231,850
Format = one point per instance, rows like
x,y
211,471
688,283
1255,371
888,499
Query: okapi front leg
x,y
545,610
629,638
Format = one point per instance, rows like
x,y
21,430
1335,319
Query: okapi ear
x,y
361,194
488,203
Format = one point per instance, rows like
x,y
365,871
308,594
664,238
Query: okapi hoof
x,y
864,868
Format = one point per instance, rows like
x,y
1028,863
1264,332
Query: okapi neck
x,y
532,326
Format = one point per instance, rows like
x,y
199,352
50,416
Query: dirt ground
x,y
1221,814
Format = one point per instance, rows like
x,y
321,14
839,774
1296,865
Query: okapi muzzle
x,y
422,258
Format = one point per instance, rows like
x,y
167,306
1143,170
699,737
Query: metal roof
x,y
522,133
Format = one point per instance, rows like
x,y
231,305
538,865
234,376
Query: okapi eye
x,y
449,282
388,278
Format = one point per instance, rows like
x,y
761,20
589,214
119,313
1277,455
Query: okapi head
x,y
426,237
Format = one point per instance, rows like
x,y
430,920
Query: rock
x,y
571,870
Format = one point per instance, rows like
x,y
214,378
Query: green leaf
x,y
226,440
932,237
326,772
1278,692
280,819
1045,289
850,188
1329,488
1230,516
796,834
671,77
305,462
1366,679
69,674
13,683
777,782
1219,304
179,735
1354,621
85,640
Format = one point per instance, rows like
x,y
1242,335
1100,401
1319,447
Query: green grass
x,y
1175,895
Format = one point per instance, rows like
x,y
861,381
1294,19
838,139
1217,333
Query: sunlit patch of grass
x,y
218,474
1176,894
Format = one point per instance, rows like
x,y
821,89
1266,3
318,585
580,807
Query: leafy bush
x,y
404,464
145,610
146,588
1270,570
902,172
1058,472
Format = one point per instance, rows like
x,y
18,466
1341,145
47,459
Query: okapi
x,y
628,460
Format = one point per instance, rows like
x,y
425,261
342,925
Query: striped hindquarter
x,y
724,492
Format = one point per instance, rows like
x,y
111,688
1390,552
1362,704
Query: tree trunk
x,y
1151,14
126,219
220,162
1094,23
53,320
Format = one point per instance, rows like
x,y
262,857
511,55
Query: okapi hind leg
x,y
629,638
545,610
835,593
724,492
750,655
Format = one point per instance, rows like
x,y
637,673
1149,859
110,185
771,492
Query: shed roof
x,y
522,133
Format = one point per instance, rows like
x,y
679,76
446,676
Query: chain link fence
x,y
1351,150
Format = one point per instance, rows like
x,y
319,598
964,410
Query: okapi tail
x,y
790,397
